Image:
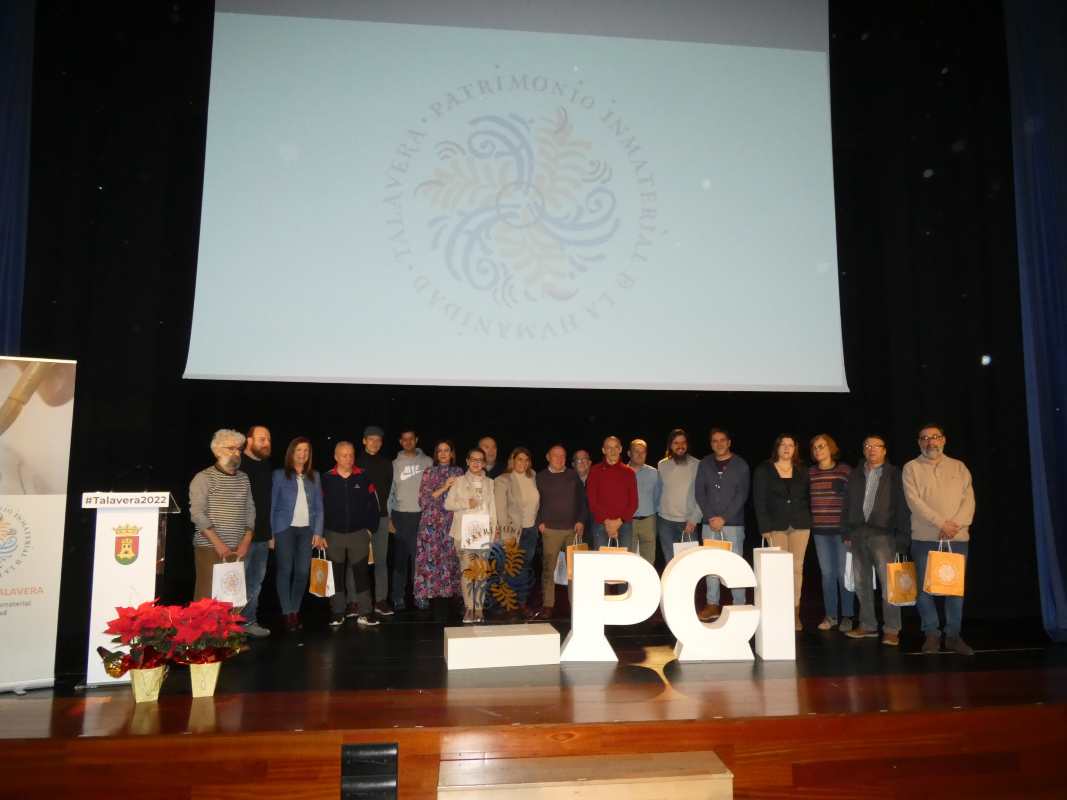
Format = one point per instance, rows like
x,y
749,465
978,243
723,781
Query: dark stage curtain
x,y
16,71
927,257
1037,58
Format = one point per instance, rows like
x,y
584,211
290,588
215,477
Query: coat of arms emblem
x,y
127,544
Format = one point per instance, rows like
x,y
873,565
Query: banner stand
x,y
129,551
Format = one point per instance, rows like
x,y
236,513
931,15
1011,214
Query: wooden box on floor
x,y
653,776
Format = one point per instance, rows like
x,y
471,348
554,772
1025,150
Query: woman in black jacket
x,y
780,495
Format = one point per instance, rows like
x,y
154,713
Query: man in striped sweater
x,y
222,509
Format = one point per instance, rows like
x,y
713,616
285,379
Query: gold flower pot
x,y
146,683
204,677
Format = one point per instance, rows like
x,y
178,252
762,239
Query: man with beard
x,y
380,471
493,468
679,513
256,465
941,499
222,509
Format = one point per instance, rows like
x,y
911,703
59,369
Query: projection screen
x,y
553,194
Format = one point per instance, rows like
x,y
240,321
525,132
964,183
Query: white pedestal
x,y
776,638
480,646
647,776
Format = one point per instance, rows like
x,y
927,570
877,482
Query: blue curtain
x,y
16,72
1037,58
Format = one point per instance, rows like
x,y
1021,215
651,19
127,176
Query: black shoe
x,y
383,608
337,620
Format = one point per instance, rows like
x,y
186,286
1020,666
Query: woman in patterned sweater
x,y
828,481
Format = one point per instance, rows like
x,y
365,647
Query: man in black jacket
x,y
255,463
877,523
380,471
350,513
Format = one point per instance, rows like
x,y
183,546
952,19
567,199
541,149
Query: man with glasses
x,y
941,498
877,523
582,463
222,509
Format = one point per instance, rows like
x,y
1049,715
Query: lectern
x,y
127,556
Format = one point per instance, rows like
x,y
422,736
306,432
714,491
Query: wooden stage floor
x,y
848,719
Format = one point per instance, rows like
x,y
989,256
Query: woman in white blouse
x,y
517,501
471,498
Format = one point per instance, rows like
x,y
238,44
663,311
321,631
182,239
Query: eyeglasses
x,y
874,446
936,437
230,449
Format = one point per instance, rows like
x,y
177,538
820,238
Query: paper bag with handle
x,y
577,545
944,571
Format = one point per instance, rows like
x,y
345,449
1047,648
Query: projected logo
x,y
527,208
522,207
15,540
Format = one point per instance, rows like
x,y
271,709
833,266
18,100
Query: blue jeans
x,y
255,569
927,609
626,536
670,532
735,535
292,553
831,550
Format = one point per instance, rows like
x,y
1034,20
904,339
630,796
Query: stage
x,y
849,718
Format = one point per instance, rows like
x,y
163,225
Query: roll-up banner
x,y
124,564
35,425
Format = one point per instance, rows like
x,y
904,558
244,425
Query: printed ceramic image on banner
x,y
36,414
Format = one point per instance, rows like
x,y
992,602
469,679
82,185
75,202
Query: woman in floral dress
x,y
436,562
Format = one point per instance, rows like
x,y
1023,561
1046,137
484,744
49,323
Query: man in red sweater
x,y
612,493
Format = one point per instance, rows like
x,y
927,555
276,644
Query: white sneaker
x,y
256,630
366,621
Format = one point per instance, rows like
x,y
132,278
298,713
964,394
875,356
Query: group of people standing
x,y
410,512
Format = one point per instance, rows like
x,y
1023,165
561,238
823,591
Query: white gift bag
x,y
687,543
474,531
228,583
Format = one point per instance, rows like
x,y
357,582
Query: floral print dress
x,y
436,562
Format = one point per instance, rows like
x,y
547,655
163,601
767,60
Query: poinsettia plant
x,y
146,631
207,631
200,633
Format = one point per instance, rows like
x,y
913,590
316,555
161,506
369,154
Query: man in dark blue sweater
x,y
350,511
